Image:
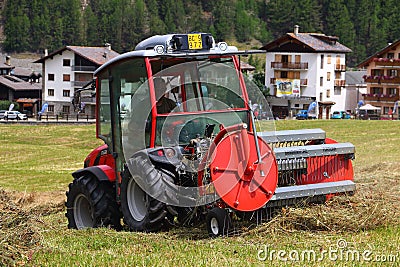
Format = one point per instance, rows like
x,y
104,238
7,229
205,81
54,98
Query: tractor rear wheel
x,y
91,203
141,211
218,222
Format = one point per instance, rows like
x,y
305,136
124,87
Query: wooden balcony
x,y
303,82
382,79
79,83
386,62
83,68
290,65
340,82
339,67
380,97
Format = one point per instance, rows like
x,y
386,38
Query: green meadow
x,y
36,163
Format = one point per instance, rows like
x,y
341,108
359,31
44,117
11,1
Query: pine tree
x,y
40,25
223,13
71,21
243,25
155,23
307,15
338,23
280,16
91,27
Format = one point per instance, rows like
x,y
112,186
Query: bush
x,y
5,104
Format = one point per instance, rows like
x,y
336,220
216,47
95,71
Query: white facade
x,y
322,79
58,80
65,71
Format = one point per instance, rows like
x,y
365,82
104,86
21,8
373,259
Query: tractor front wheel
x,y
91,203
141,211
218,222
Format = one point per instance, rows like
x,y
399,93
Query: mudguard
x,y
101,172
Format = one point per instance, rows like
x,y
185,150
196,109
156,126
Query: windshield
x,y
185,96
194,86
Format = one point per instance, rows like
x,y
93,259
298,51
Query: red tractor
x,y
182,144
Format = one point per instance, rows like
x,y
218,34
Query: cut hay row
x,y
21,225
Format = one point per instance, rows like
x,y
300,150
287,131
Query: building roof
x,y
306,42
6,66
97,55
355,77
18,84
25,72
379,54
246,66
27,100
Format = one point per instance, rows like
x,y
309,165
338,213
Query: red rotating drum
x,y
240,180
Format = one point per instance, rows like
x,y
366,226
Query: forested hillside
x,y
365,26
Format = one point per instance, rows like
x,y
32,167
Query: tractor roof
x,y
180,46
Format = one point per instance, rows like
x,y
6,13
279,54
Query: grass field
x,y
35,169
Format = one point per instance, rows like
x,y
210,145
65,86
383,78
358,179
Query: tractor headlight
x,y
222,46
159,49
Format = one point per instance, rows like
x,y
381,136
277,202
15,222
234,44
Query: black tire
x,y
218,222
141,211
91,203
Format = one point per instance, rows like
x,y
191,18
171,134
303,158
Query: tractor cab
x,y
201,83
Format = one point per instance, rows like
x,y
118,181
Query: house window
x,y
321,81
50,108
65,109
376,90
320,96
296,105
392,73
328,93
66,77
66,62
66,93
328,59
392,91
284,74
385,110
390,55
50,92
376,72
328,76
322,61
337,91
50,76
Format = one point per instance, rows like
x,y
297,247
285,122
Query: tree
x,y
71,21
243,27
307,15
338,23
280,16
155,23
90,27
17,33
223,13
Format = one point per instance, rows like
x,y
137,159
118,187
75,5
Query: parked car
x,y
2,112
340,115
304,115
368,115
15,115
28,113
